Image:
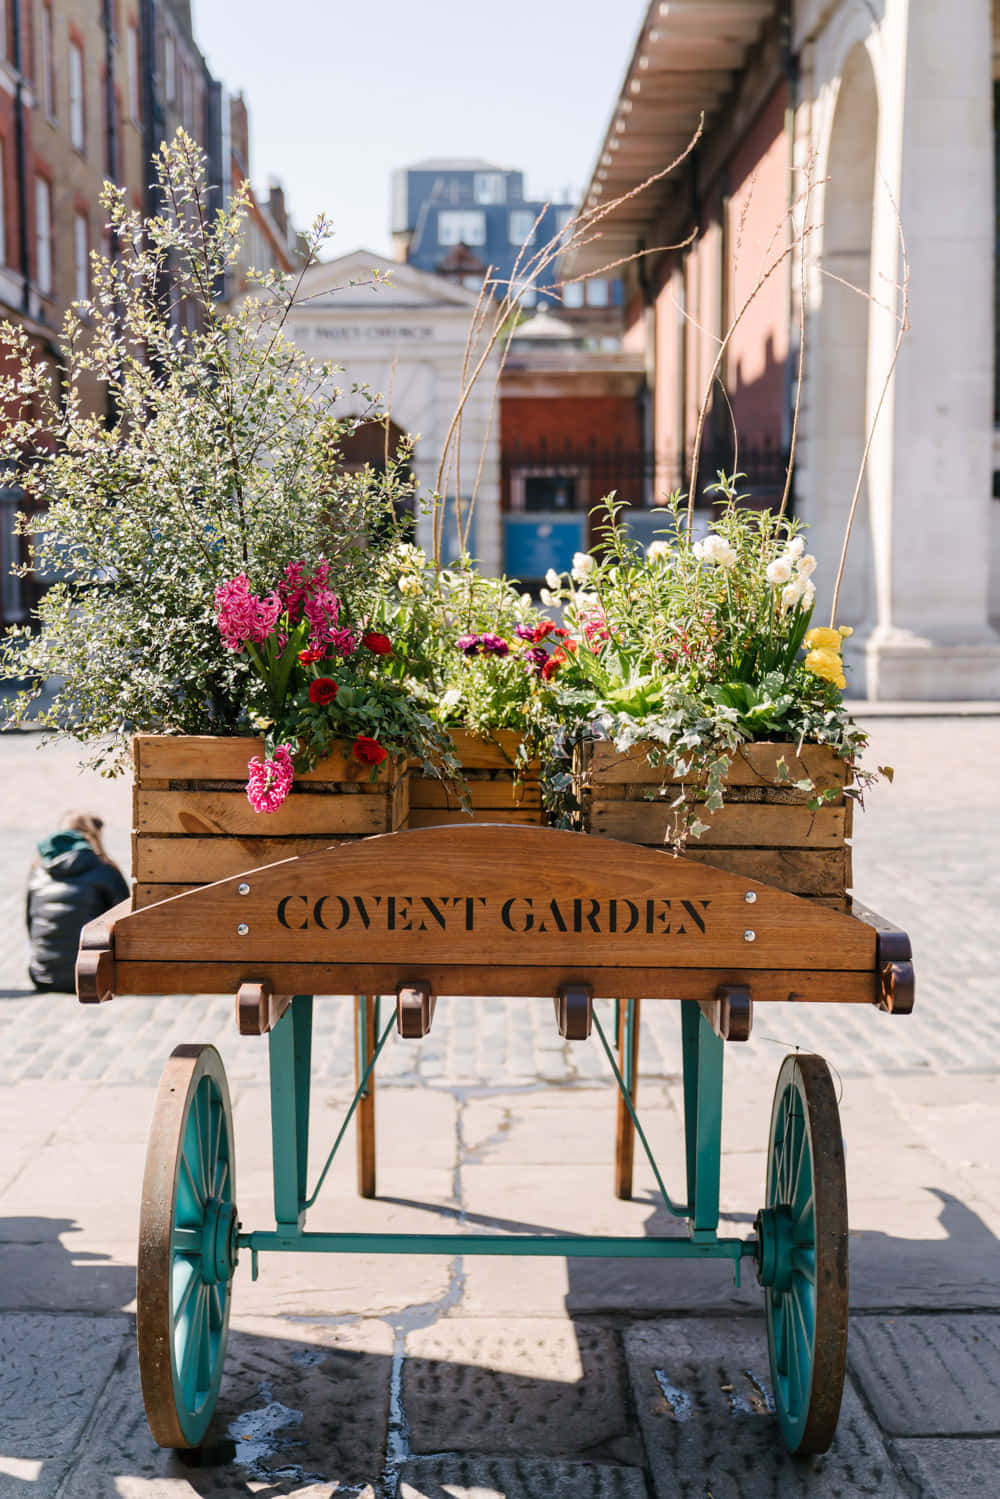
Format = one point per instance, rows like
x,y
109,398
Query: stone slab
x,y
53,1371
702,1394
934,1251
302,1410
950,1469
43,1271
930,1376
534,1387
509,1478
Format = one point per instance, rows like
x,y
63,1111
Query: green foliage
x,y
694,647
430,611
220,458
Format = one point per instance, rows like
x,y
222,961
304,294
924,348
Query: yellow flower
x,y
846,630
824,639
824,662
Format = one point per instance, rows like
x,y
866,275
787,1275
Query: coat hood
x,y
67,853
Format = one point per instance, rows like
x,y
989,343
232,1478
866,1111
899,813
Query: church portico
x,y
403,340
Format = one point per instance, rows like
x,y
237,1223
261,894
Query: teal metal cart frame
x,y
190,1234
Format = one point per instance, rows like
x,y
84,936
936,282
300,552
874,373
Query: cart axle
x,y
570,1247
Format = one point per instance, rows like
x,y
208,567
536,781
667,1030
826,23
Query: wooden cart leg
x,y
290,1064
627,1039
703,1053
365,1030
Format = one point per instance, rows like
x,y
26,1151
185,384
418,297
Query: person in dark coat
x,y
70,883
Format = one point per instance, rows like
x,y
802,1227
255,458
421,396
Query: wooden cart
x,y
490,910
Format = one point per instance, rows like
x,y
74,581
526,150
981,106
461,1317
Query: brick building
x,y
88,91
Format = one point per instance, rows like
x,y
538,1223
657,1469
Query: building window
x,y
547,489
564,216
186,96
81,250
522,226
48,64
572,294
597,292
76,119
472,283
489,187
133,75
461,226
170,66
43,235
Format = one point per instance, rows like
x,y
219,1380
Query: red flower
x,y
309,658
323,691
380,644
368,751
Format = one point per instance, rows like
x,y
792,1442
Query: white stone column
x,y
931,470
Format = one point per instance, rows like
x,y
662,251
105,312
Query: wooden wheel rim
x,y
806,1308
186,1247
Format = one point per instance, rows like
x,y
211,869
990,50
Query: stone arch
x,y
838,389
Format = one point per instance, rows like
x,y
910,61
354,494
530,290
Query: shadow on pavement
x,y
320,1405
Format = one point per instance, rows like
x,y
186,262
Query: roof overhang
x,y
685,61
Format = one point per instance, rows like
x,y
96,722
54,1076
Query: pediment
x,y
347,284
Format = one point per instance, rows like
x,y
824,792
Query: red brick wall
x,y
757,233
570,420
607,422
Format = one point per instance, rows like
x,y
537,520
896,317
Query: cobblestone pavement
x,y
466,1378
926,854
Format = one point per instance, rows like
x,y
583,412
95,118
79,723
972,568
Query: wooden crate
x,y
192,823
501,790
765,830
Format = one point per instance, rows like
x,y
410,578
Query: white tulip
x,y
552,578
795,547
658,551
808,595
806,567
583,566
779,571
546,597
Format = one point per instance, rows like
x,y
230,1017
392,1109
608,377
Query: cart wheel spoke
x,y
806,1304
185,1259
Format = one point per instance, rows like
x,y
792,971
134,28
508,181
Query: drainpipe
x,y
790,69
21,155
152,122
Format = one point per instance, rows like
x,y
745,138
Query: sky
x,y
340,94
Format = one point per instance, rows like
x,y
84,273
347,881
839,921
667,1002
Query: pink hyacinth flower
x,y
270,780
241,616
322,610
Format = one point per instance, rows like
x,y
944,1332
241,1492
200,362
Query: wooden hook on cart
x,y
575,1011
414,1009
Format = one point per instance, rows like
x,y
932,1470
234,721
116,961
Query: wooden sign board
x,y
489,898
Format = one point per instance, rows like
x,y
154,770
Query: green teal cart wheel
x,y
187,1247
802,1254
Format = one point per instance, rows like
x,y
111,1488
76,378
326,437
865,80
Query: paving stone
x,y
52,1373
535,1387
43,1267
930,1376
302,1408
942,1469
506,1478
702,1394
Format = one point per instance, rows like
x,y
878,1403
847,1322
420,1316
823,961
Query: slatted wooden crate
x,y
501,790
765,830
192,823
